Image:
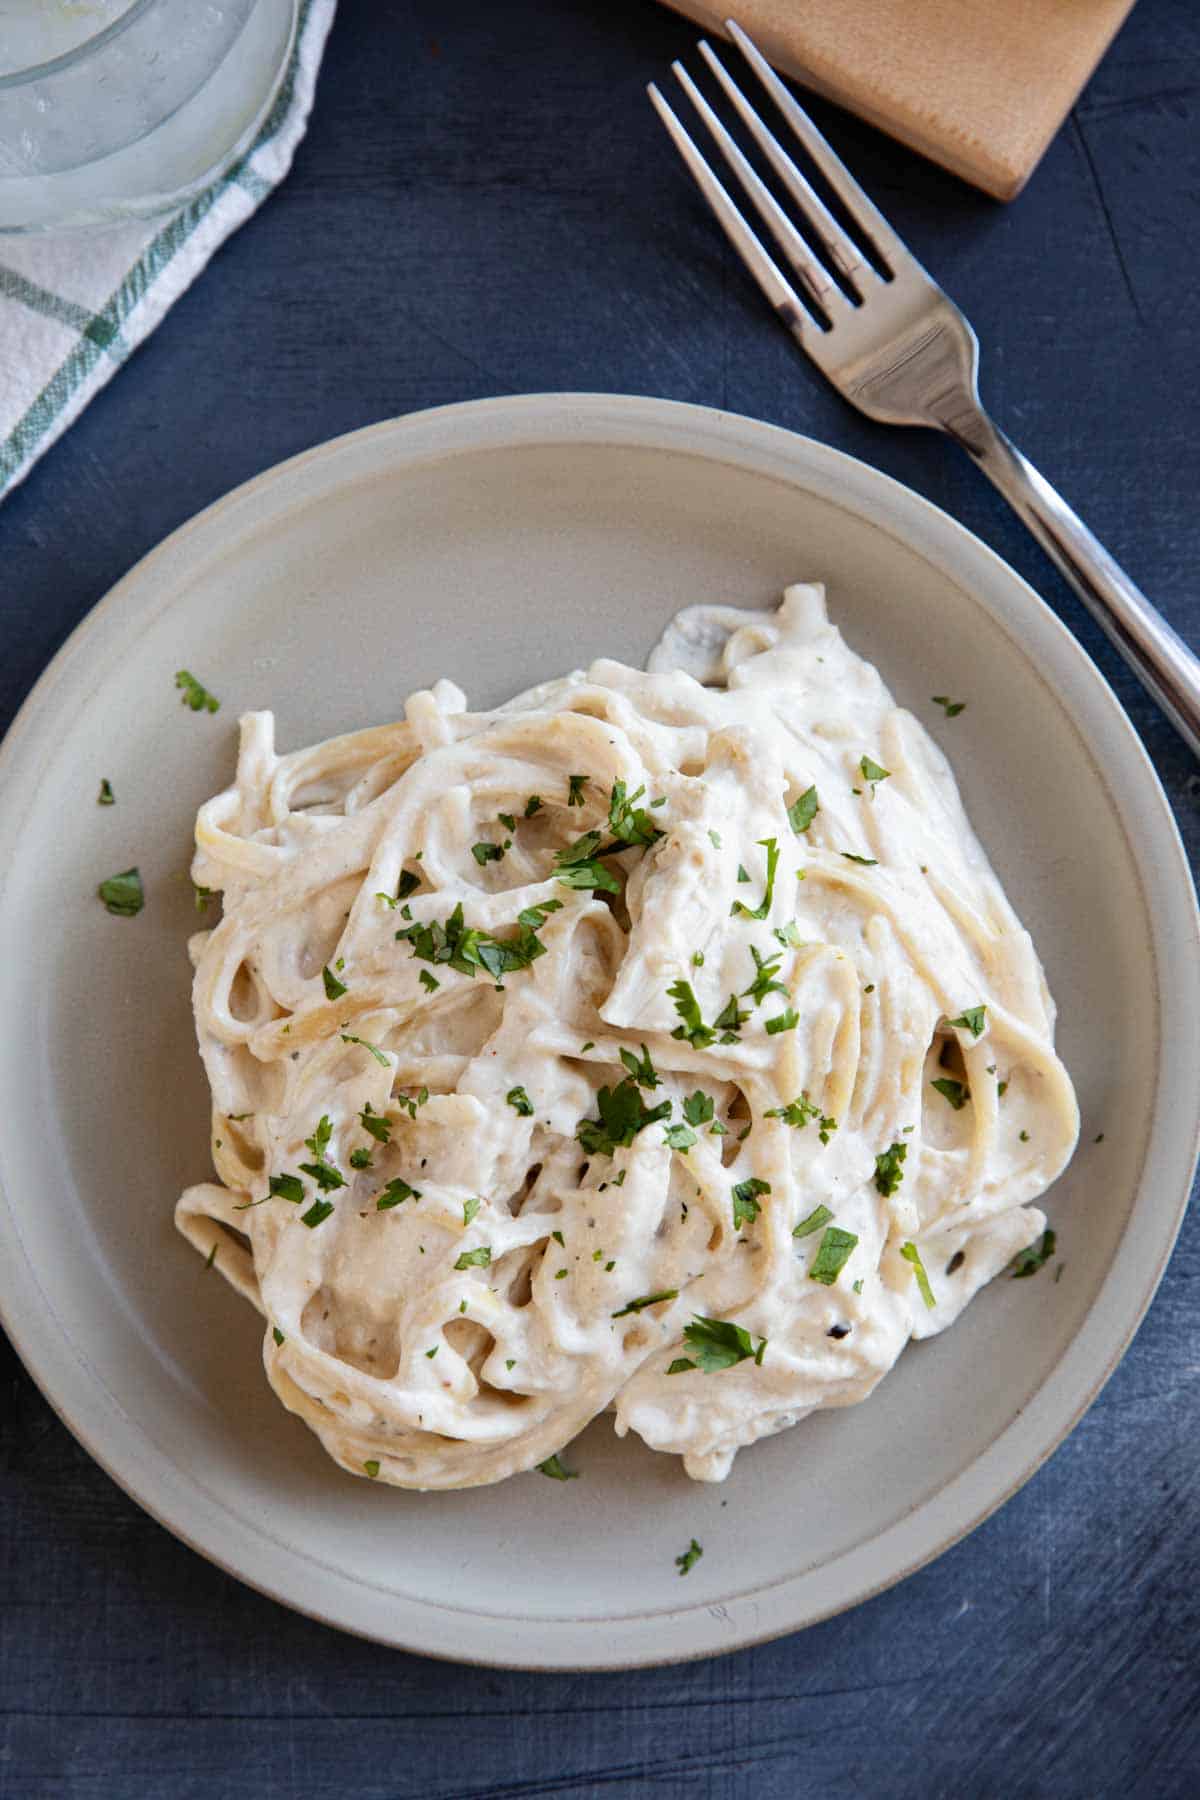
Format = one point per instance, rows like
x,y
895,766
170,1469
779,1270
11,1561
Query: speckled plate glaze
x,y
501,543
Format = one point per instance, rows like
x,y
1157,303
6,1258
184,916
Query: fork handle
x,y
1158,656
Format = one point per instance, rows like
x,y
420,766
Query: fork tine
x,y
842,251
779,292
825,291
863,211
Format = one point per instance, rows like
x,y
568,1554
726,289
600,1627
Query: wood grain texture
x,y
485,204
980,86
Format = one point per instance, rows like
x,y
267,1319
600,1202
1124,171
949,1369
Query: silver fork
x,y
892,343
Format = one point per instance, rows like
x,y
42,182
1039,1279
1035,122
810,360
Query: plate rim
x,y
513,422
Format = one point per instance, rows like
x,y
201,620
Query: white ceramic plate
x,y
501,543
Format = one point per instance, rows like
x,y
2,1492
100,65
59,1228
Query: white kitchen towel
x,y
72,308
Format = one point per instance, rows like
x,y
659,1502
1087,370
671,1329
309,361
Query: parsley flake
x,y
360,1158
868,862
470,1208
833,1253
106,797
972,1019
912,1255
718,1344
533,805
787,1020
679,1137
429,982
475,1259
745,1202
520,1102
1027,1262
956,1092
639,1305
820,1215
556,1471
375,1123
803,811
319,1211
622,1115
195,694
888,1171
641,1069
689,1557
286,1187
698,1108
123,894
575,787
348,1037
873,773
693,1028
486,853
277,1334
372,1468
394,1193
771,846
334,989
951,708
766,969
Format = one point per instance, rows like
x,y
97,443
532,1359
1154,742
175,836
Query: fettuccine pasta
x,y
660,1042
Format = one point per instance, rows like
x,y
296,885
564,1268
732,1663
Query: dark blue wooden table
x,y
484,204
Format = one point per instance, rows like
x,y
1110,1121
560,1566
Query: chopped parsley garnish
x,y
873,773
277,1334
123,894
372,1468
432,1353
466,949
106,797
319,1211
820,1215
1002,1089
559,1239
211,1258
912,1255
520,1102
429,982
717,1344
575,787
535,916
326,1177
1028,1262
803,811
714,838
507,820
833,1253
679,1137
622,1115
533,805
286,1187
410,881
394,1193
410,1102
788,935
693,1028
486,853
729,1020
319,1142
200,897
766,968
972,1019
888,1171
951,708
956,1092
334,989
360,1158
348,1037
639,1305
375,1123
745,1201
641,1069
470,1208
743,873
787,1020
868,862
579,866
771,846
698,1108
799,1112
628,821
475,1259
195,694
689,1557
555,1470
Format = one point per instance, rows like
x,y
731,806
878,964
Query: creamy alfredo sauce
x,y
644,1044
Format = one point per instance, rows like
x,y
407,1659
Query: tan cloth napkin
x,y
980,86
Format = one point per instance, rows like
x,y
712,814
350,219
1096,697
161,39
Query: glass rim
x,y
58,65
